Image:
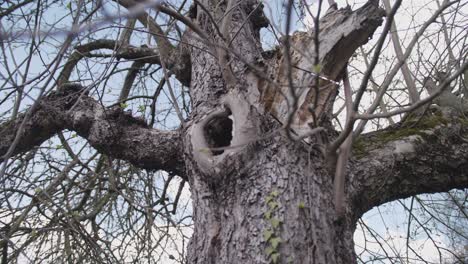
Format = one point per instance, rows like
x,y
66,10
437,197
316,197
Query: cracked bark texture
x,y
423,155
232,199
265,186
110,131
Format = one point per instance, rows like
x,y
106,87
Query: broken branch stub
x,y
341,33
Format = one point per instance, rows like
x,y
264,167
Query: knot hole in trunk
x,y
218,132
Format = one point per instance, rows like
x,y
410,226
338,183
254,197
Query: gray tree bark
x,y
262,197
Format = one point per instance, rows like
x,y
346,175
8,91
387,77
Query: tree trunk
x,y
271,203
263,198
253,148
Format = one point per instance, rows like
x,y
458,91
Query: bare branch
x,y
434,94
129,79
345,31
410,84
166,49
423,155
395,69
14,7
110,131
124,38
344,152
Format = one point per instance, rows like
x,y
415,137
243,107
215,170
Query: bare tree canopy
x,y
285,121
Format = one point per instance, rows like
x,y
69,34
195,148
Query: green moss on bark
x,y
413,125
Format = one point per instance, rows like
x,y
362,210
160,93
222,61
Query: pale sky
x,y
388,221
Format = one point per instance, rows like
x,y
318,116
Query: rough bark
x,y
422,155
263,198
109,130
341,33
266,199
143,54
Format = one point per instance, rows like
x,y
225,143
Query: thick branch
x,y
166,49
341,32
176,58
143,54
110,131
129,79
78,54
424,155
410,84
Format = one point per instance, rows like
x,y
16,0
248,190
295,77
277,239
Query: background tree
x,y
112,108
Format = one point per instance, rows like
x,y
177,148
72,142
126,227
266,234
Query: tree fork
x,y
266,198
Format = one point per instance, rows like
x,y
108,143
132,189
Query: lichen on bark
x,y
412,125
